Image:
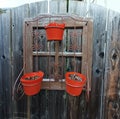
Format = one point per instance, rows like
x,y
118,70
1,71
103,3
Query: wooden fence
x,y
104,100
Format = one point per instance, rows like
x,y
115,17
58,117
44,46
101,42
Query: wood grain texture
x,y
112,68
17,17
5,66
104,100
98,67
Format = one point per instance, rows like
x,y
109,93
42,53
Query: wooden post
x,y
27,45
56,59
112,110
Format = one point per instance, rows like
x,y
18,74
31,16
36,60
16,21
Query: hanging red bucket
x,y
32,82
74,87
54,31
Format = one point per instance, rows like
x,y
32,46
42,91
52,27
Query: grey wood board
x,y
18,15
5,62
112,67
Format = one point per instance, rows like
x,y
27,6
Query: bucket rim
x,y
55,25
27,75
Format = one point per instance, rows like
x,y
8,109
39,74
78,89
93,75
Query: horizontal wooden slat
x,y
68,23
65,54
68,20
52,85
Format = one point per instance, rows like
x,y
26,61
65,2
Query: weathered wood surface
x,y
99,45
57,104
112,75
17,17
1,90
5,67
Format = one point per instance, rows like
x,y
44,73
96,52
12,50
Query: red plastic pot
x,y
54,31
30,86
74,87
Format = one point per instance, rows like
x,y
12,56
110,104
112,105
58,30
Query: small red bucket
x,y
74,87
54,31
32,82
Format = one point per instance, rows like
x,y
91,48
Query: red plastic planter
x,y
74,87
54,31
32,87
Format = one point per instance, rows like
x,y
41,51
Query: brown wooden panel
x,y
89,53
84,50
112,104
27,48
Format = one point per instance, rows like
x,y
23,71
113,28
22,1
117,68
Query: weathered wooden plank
x,y
64,54
68,20
51,85
98,14
59,7
18,14
89,53
1,86
78,8
76,107
56,72
84,50
27,46
5,64
38,8
112,67
52,111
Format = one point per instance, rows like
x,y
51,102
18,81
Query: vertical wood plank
x,y
77,8
59,7
1,86
18,16
5,66
84,49
98,14
90,53
38,8
112,67
56,59
28,59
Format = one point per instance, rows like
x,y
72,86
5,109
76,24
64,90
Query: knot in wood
x,y
114,58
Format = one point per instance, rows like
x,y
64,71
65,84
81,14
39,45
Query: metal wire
x,y
18,87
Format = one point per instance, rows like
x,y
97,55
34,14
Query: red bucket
x,y
74,87
54,31
32,82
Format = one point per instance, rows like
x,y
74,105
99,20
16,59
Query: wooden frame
x,y
86,54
